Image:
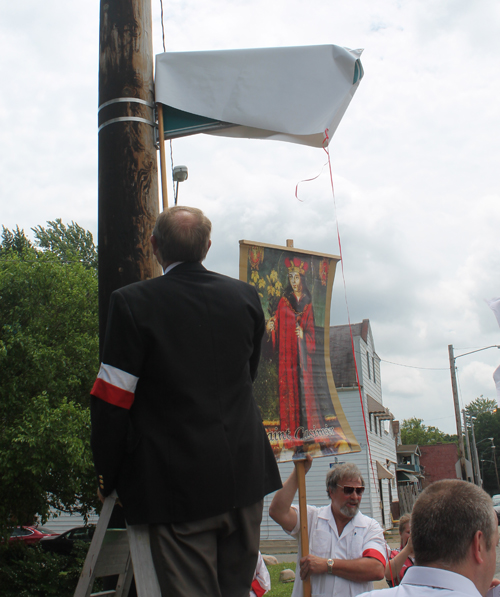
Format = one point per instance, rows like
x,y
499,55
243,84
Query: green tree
x,y
14,240
69,243
48,362
485,416
413,431
481,405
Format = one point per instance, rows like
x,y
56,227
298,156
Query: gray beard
x,y
349,512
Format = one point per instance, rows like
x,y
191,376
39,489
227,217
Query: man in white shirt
x,y
347,549
454,531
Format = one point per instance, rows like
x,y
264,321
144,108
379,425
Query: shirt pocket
x,y
321,543
355,546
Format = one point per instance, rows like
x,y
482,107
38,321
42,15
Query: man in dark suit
x,y
175,428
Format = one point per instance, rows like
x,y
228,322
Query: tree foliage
x,y
15,241
480,405
413,431
485,416
69,243
48,360
33,572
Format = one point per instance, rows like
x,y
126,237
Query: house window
x,y
370,419
368,363
374,376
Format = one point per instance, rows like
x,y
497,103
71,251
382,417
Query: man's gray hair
x,y
338,474
445,518
182,234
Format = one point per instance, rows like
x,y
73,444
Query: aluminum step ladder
x,y
122,552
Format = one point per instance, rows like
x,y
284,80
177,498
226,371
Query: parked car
x,y
63,543
30,535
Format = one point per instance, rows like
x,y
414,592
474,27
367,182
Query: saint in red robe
x,y
298,402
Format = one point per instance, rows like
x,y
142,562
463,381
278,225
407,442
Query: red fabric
x,y
295,361
257,589
408,564
112,394
373,553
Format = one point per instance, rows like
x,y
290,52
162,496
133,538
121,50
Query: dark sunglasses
x,y
348,490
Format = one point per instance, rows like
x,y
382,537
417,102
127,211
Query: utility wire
x,y
162,26
165,49
415,366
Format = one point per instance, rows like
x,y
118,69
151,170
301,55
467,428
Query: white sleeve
x,y
262,575
295,531
374,540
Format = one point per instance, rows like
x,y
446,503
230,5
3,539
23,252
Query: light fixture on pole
x,y
476,445
483,440
461,448
180,174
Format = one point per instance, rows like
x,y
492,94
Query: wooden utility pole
x,y
128,178
471,457
461,450
493,449
479,482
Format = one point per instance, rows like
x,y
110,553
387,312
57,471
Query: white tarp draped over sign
x,y
289,94
494,305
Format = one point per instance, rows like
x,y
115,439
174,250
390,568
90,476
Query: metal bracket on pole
x,y
122,100
127,119
126,100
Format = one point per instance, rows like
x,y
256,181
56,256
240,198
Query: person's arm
x,y
364,569
369,567
114,393
280,509
396,563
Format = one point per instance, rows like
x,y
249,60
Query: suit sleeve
x,y
113,393
260,326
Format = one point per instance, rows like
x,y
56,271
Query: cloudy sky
x,y
417,197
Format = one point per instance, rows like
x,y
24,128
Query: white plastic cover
x,y
290,94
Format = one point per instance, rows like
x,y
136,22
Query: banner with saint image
x,y
294,389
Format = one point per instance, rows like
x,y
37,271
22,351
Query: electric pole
x,y
461,449
493,449
128,179
471,458
476,455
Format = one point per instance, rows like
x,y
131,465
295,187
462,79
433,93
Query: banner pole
x,y
304,532
163,166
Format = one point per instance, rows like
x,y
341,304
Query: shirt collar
x,y
440,579
171,266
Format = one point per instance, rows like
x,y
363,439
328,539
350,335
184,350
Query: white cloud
x,y
414,164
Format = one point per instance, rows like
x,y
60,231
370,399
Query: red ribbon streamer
x,y
326,141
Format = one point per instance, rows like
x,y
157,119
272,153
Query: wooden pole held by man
x,y
304,533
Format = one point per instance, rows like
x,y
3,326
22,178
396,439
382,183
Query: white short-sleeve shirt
x,y
422,581
361,536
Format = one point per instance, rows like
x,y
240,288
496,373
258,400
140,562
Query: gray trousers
x,y
213,557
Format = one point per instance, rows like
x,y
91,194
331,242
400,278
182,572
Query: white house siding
x,y
60,522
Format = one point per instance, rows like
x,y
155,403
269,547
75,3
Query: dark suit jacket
x,y
175,428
